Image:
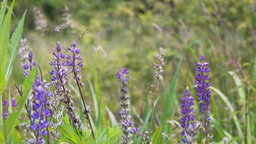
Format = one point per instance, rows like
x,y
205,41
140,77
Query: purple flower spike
x,y
40,110
188,117
26,57
74,60
204,95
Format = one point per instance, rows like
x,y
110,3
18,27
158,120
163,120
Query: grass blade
x,y
112,117
171,99
94,98
239,84
231,109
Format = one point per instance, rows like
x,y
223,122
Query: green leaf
x,y
220,129
13,45
16,137
114,134
94,98
248,128
239,84
68,133
2,11
156,138
2,82
4,37
13,117
112,117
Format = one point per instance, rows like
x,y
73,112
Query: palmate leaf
x,y
4,37
13,117
68,134
13,45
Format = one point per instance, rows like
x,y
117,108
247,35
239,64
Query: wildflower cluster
x,y
59,74
126,122
74,63
26,57
188,117
158,72
204,95
187,103
41,112
5,113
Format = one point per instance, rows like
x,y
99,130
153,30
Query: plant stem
x,y
86,111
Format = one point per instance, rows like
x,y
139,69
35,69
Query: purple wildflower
x,y
74,61
40,110
127,124
5,113
203,95
59,74
188,117
26,57
60,81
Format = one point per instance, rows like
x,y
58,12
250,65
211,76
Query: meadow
x,y
106,72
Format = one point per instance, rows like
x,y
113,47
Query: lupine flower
x,y
74,62
203,96
5,113
26,57
158,72
60,81
188,117
127,124
40,110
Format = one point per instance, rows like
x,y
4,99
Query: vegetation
x,y
127,71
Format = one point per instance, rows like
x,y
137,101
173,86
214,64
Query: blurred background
x,y
128,33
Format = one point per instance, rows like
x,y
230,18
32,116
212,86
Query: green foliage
x,y
102,136
13,45
4,38
8,48
14,117
231,109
